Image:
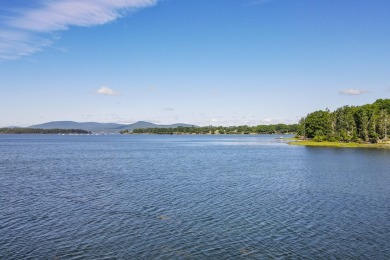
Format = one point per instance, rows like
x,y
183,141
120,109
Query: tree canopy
x,y
367,123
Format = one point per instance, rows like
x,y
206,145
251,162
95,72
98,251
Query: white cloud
x,y
30,30
14,44
352,92
107,91
59,15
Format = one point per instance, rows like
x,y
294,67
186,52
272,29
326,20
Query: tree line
x,y
41,131
363,124
260,129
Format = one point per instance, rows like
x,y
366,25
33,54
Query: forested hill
x,y
41,131
101,127
260,129
363,124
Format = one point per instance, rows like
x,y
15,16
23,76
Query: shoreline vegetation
x,y
364,126
43,131
218,130
311,143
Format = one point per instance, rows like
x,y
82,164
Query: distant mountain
x,y
102,127
143,124
90,126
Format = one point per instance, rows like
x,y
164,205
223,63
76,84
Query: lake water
x,y
190,197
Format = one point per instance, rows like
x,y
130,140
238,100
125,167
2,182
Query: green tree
x,y
318,123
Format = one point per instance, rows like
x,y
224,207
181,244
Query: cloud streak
x,y
30,30
353,92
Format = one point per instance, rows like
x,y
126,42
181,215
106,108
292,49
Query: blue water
x,y
190,197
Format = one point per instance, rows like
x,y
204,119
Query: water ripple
x,y
190,197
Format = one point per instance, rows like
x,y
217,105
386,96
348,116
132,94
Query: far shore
x,y
340,144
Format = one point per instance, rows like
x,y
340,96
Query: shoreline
x,y
339,144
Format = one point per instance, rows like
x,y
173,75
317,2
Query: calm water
x,y
190,197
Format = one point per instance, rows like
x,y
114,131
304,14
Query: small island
x,y
364,126
21,130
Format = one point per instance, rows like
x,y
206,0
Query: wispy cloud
x,y
235,120
214,92
14,44
107,91
169,109
257,2
30,30
152,89
353,92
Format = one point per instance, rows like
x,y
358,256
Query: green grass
x,y
339,145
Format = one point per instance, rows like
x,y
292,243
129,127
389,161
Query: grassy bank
x,y
339,145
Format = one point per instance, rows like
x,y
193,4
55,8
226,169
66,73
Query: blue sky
x,y
219,62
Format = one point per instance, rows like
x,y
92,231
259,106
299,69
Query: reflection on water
x,y
190,197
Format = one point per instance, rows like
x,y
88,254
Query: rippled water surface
x,y
190,197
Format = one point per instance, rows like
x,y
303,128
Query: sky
x,y
201,62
